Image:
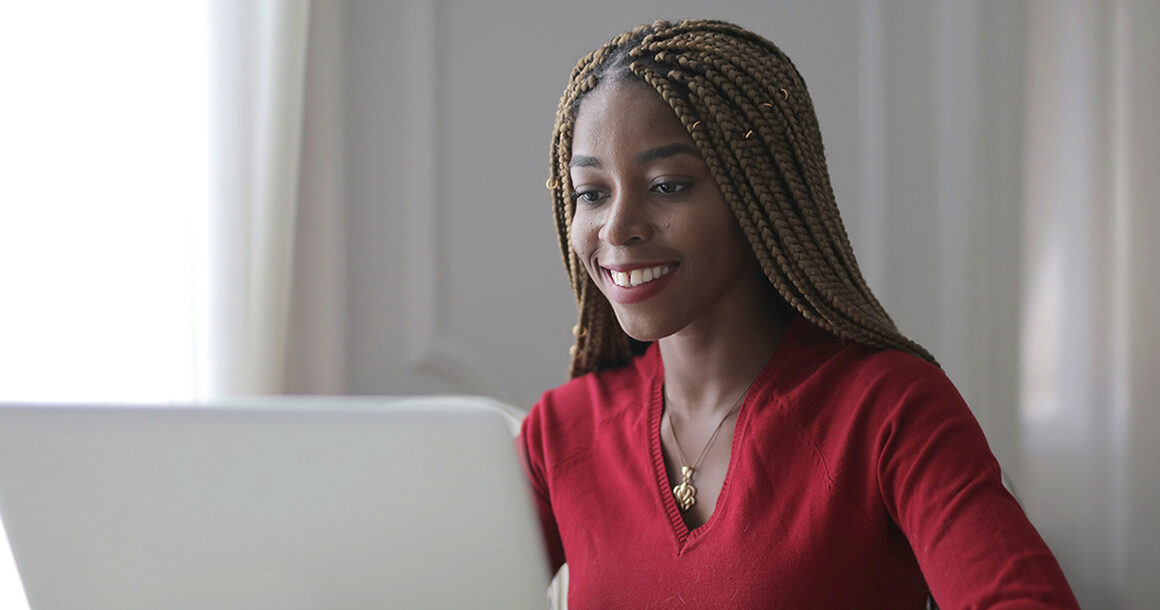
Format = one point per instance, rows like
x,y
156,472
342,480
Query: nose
x,y
627,221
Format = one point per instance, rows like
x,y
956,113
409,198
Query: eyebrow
x,y
652,154
668,150
584,161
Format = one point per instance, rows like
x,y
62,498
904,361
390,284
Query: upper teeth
x,y
636,277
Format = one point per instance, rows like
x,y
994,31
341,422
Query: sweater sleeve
x,y
943,487
531,447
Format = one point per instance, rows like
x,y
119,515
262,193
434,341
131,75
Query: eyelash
x,y
678,186
580,196
659,188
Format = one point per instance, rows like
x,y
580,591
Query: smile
x,y
636,277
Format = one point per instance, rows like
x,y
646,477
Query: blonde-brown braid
x,y
747,109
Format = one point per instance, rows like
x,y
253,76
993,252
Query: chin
x,y
644,330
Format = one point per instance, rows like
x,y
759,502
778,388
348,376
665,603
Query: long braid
x,y
747,109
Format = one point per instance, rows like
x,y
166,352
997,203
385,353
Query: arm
x,y
530,446
943,487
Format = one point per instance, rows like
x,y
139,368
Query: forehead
x,y
625,115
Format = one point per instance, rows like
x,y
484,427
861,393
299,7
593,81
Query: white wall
x,y
455,282
492,73
426,153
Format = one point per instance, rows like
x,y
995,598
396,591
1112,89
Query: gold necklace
x,y
684,492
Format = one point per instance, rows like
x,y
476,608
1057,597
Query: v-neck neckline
x,y
685,537
683,534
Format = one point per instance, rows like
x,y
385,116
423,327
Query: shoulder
x,y
826,369
852,398
566,419
602,393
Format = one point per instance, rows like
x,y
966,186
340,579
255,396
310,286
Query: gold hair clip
x,y
748,133
550,184
785,95
768,105
694,125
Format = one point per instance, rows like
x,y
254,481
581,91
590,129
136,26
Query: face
x,y
651,226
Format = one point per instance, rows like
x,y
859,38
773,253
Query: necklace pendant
x,y
684,492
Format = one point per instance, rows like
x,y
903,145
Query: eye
x,y
587,196
670,187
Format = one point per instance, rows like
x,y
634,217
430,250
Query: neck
x,y
707,369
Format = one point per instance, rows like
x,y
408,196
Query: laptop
x,y
270,503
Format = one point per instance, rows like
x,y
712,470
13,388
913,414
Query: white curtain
x,y
1091,339
126,276
316,338
244,291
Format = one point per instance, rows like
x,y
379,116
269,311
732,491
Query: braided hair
x,y
747,110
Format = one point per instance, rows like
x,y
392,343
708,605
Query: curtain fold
x,y
1090,339
316,344
248,235
1136,289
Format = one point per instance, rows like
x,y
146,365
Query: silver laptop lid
x,y
273,503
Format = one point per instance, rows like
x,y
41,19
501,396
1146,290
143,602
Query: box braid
x,y
747,109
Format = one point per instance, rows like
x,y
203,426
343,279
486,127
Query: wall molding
x,y
429,348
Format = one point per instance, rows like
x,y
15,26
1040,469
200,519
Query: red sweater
x,y
857,479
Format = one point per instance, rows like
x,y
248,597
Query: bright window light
x,y
105,119
105,153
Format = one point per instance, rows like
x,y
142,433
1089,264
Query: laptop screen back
x,y
278,503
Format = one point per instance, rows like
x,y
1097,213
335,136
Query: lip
x,y
635,294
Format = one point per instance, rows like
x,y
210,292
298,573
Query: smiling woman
x,y
646,203
723,318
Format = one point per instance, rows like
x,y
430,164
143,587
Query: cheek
x,y
580,235
719,239
573,238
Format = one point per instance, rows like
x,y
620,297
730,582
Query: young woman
x,y
745,427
